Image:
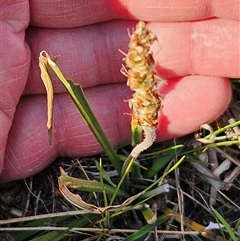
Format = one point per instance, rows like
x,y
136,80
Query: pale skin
x,y
194,57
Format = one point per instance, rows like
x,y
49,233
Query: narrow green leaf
x,y
105,175
226,225
59,235
136,139
156,191
25,235
159,164
82,105
147,228
136,135
124,175
76,93
103,184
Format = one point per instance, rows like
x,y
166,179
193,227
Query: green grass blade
x,y
124,175
103,184
136,135
226,225
136,139
154,192
86,112
105,175
51,236
166,173
59,235
25,235
76,93
147,228
158,165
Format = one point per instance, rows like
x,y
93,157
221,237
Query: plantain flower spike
x,y
140,71
146,101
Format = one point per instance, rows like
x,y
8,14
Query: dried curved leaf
x,y
89,185
77,201
45,76
211,137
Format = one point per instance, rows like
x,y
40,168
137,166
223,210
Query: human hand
x,y
194,57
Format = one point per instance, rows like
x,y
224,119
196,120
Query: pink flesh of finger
x,y
74,13
14,63
190,102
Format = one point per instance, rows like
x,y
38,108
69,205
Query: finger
x,y
185,109
15,61
67,14
190,102
209,47
90,56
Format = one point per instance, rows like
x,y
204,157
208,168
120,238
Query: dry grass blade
x,y
77,201
45,75
209,234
